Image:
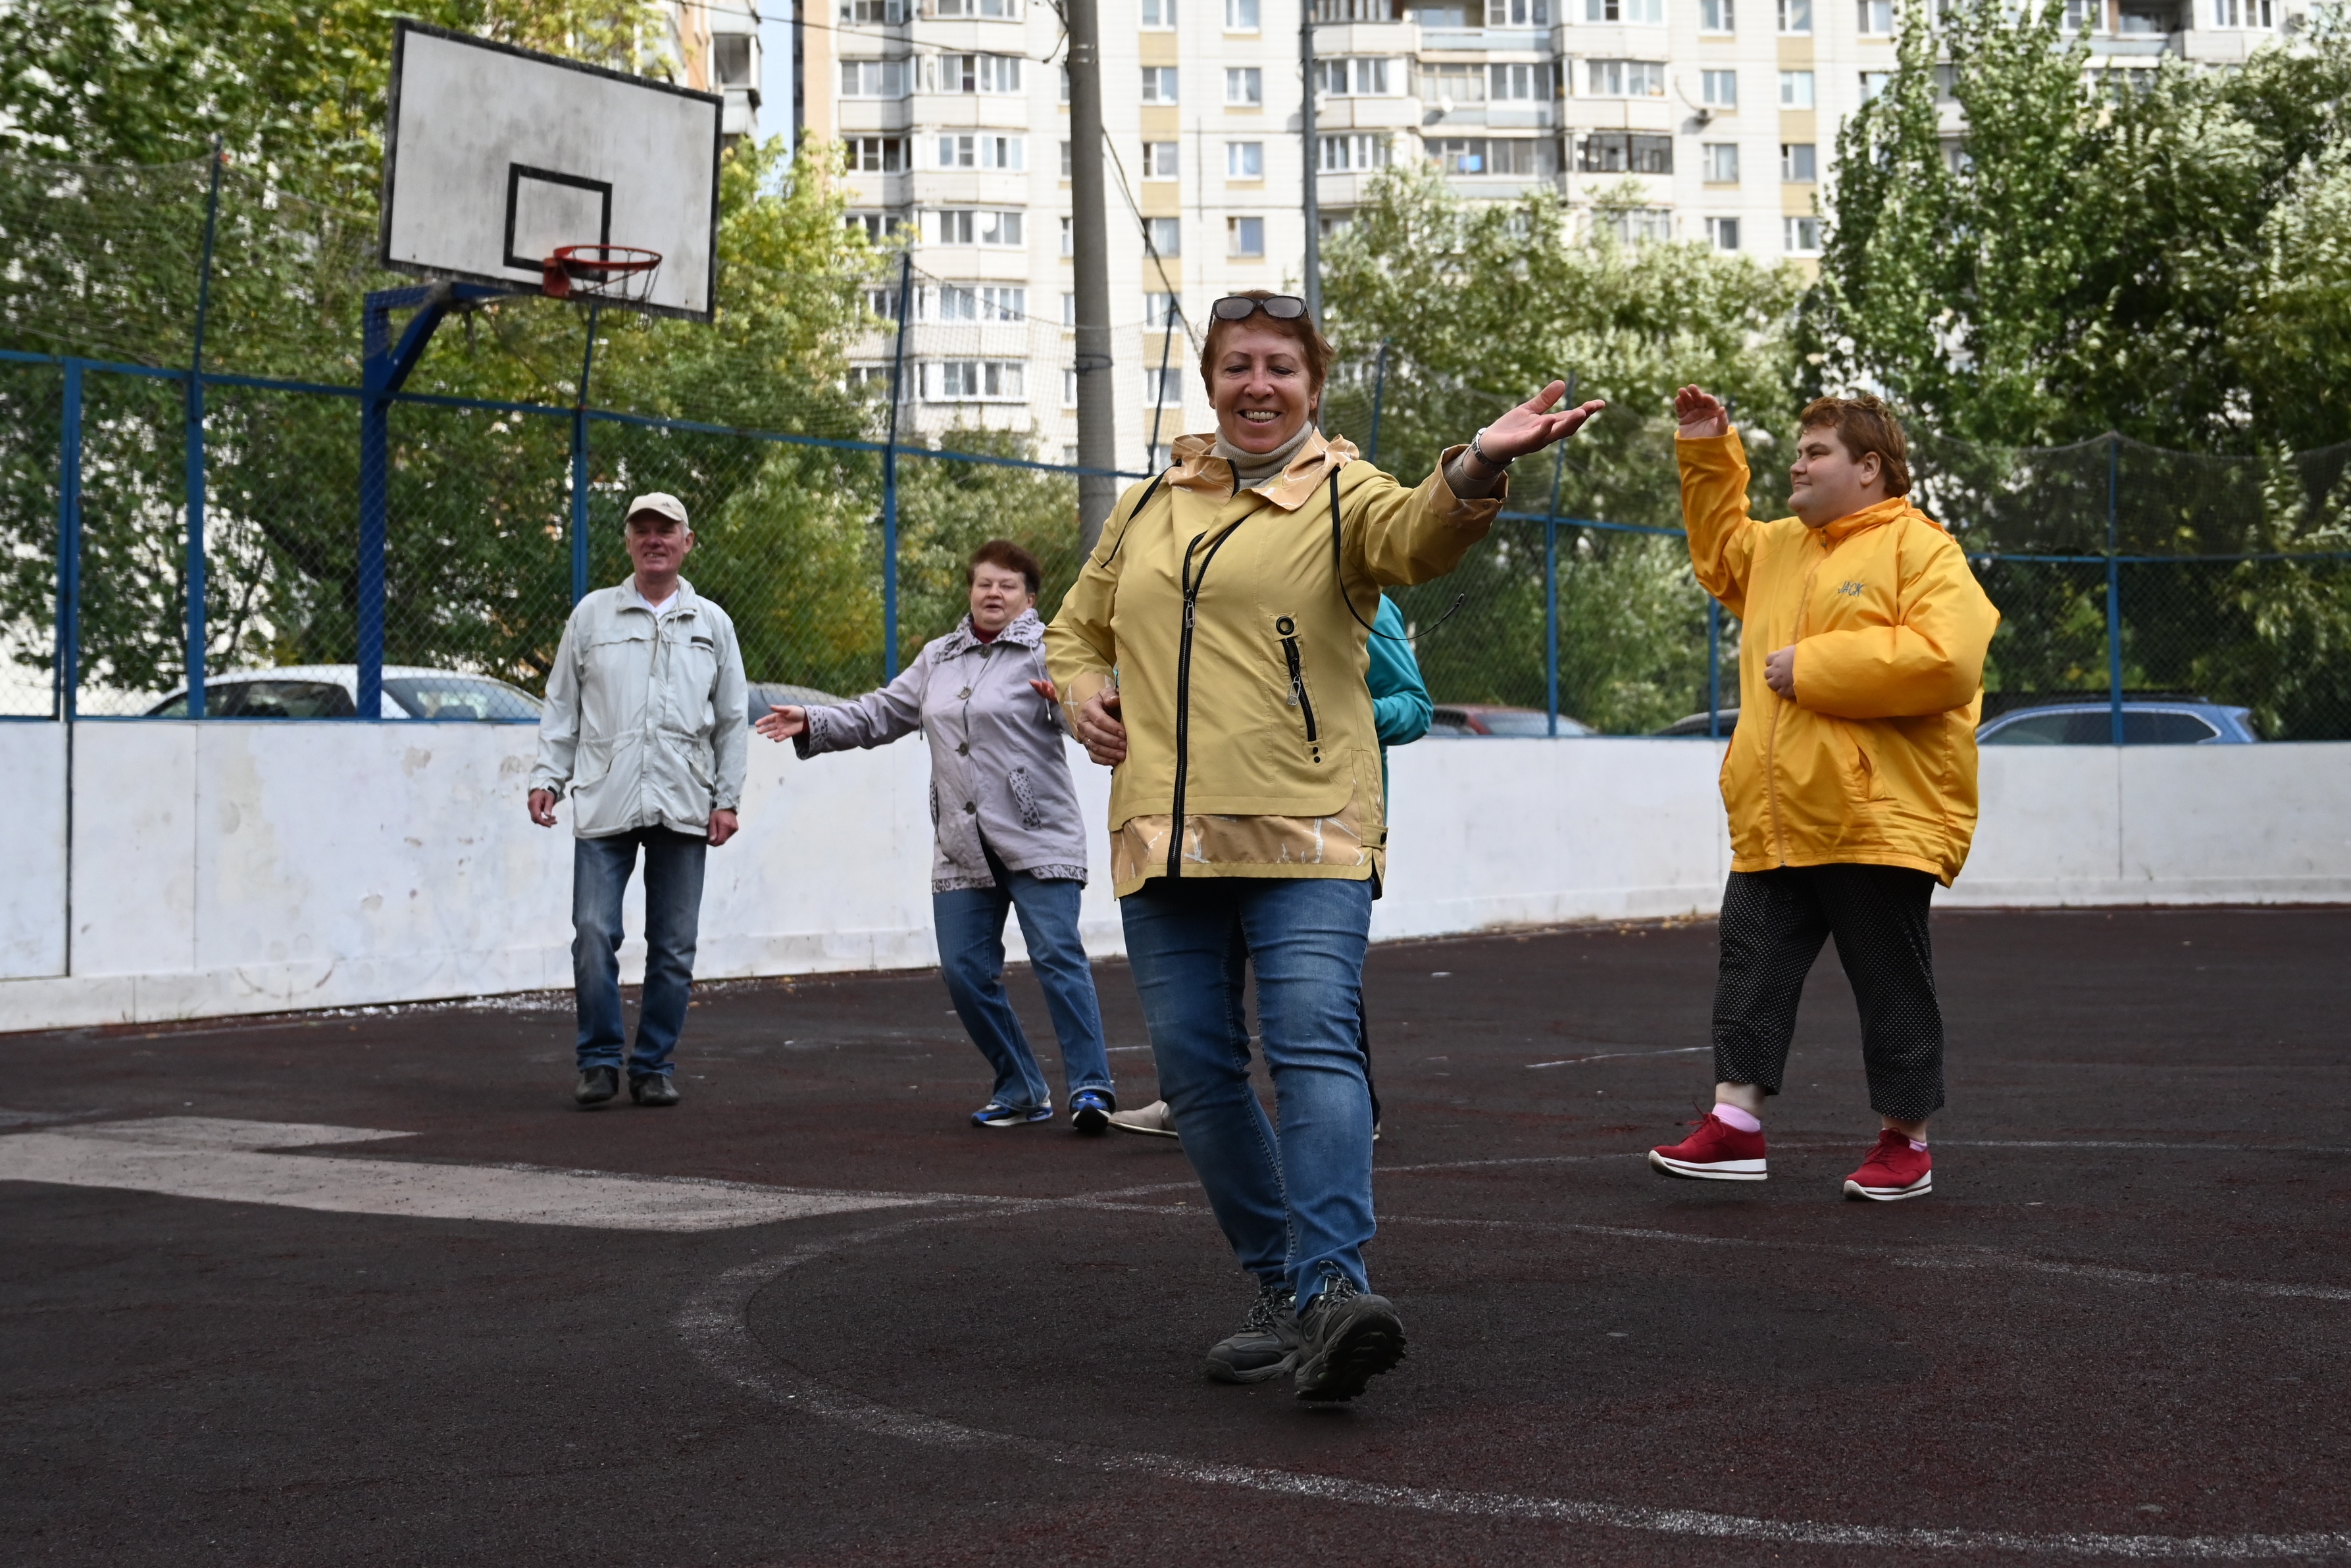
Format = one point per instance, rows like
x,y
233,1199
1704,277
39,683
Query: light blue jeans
x,y
1295,1203
970,924
599,875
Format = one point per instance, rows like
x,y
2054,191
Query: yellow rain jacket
x,y
1875,760
1239,663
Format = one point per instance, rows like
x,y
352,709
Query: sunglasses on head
x,y
1241,307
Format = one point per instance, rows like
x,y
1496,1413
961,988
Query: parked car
x,y
2184,722
1487,718
331,691
1724,720
775,694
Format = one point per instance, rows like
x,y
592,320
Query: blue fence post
x,y
375,479
69,659
2114,591
195,573
1379,396
580,466
1551,594
890,479
1713,668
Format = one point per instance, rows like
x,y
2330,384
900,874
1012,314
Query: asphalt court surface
x,y
809,1316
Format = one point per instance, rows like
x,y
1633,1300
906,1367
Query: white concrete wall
x,y
224,867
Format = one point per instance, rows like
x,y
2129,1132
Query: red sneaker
x,y
1894,1171
1716,1151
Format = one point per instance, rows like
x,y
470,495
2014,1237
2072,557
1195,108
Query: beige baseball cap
x,y
660,505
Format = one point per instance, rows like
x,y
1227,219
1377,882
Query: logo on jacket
x,y
1851,589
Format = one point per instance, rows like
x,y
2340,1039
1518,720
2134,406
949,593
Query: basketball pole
x,y
579,464
1089,263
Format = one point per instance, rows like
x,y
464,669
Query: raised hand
x,y
1701,413
1531,426
782,723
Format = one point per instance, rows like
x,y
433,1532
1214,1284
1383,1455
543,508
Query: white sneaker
x,y
1152,1120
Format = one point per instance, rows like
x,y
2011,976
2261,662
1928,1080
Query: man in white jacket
x,y
645,723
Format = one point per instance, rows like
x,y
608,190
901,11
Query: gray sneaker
x,y
1152,1121
1349,1338
1267,1346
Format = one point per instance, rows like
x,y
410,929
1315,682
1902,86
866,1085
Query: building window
x,y
975,73
1799,163
1245,236
1529,83
1243,160
1159,15
1875,82
1802,236
1244,87
1241,15
1069,310
1623,152
877,154
1718,90
874,79
1362,78
1644,13
974,380
1716,16
1873,18
869,381
876,226
1005,10
883,12
980,152
1159,84
983,225
1490,156
1163,386
1720,160
1452,83
1795,89
1165,235
1624,79
881,300
1159,160
1723,233
1163,309
1345,154
2240,13
1635,226
1795,16
1523,13
972,302
1065,160
1065,236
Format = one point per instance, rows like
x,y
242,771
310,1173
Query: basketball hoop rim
x,y
608,258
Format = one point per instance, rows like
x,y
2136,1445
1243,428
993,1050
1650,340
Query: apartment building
x,y
1711,120
713,45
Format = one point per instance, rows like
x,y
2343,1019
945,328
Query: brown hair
x,y
1011,557
1311,348
1864,426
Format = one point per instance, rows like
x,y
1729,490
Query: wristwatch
x,y
1478,450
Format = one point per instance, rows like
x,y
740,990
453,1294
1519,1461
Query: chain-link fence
x,y
825,513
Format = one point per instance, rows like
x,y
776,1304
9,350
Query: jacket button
x,y
969,807
965,749
965,694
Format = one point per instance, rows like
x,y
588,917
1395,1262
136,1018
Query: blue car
x,y
2146,722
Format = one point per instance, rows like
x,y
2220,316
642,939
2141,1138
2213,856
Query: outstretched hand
x,y
1700,413
782,723
1531,426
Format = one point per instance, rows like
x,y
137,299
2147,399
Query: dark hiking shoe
x,y
1349,1338
1267,1346
653,1088
597,1084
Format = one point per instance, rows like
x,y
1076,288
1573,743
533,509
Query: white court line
x,y
223,1160
714,1326
1615,1055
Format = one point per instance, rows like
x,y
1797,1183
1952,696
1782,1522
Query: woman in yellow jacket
x,y
1213,652
1851,780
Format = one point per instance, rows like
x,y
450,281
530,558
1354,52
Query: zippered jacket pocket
x,y
1299,698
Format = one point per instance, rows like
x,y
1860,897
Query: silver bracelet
x,y
1478,450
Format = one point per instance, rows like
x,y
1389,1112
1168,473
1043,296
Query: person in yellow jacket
x,y
1851,780
1212,652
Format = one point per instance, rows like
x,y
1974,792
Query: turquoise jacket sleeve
x,y
1400,705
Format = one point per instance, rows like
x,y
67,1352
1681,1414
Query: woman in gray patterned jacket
x,y
1009,836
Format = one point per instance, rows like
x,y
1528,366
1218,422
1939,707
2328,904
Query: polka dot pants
x,y
1773,922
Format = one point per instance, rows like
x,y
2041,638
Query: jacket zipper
x,y
1288,628
1183,692
1772,739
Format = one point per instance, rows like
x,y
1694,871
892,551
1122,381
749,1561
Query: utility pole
x,y
1089,253
1313,281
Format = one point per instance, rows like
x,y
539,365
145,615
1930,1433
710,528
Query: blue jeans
x,y
599,873
970,923
1297,1204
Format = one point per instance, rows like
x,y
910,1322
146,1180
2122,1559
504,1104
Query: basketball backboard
x,y
495,157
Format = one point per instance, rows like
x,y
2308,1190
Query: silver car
x,y
331,691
